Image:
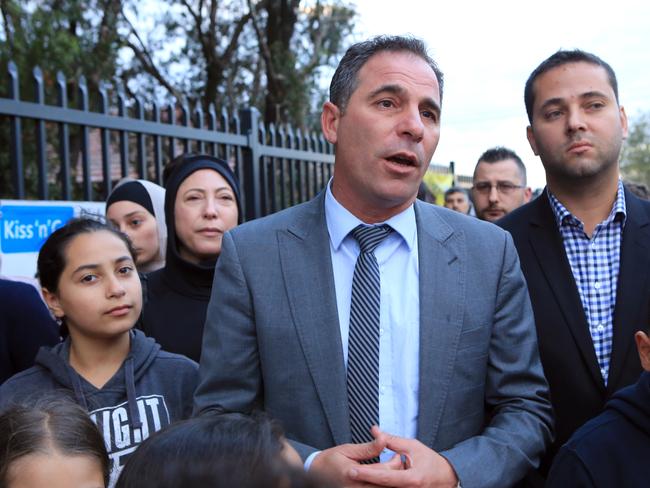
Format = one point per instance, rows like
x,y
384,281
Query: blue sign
x,y
24,228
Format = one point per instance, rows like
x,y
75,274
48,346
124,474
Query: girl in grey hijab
x,y
137,208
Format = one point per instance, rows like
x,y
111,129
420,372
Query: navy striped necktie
x,y
363,341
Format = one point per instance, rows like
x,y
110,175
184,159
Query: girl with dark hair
x,y
136,207
217,451
129,386
53,444
201,204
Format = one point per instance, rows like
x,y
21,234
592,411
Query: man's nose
x,y
493,195
575,121
411,124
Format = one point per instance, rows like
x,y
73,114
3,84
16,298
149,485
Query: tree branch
x,y
143,55
8,26
264,48
239,28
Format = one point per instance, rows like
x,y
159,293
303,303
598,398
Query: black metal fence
x,y
77,153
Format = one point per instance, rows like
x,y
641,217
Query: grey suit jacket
x,y
272,341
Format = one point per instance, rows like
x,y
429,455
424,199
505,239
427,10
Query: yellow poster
x,y
438,184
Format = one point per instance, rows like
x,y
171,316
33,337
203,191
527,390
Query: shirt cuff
x,y
310,459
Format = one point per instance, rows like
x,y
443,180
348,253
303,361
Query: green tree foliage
x,y
294,44
75,37
230,53
635,157
265,53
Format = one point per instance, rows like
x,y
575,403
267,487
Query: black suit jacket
x,y
578,392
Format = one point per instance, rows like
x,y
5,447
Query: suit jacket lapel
x,y
631,286
309,284
441,255
548,248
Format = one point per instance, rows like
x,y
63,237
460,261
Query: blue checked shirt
x,y
595,264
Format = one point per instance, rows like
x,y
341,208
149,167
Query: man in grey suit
x,y
458,390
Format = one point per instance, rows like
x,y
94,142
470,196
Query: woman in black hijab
x,y
201,203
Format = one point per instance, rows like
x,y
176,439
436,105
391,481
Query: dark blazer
x,y
578,392
25,326
272,341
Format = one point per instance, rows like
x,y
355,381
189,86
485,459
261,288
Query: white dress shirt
x,y
399,327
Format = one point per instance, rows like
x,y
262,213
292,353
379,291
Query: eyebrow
x,y
131,214
84,267
203,190
394,89
559,100
227,187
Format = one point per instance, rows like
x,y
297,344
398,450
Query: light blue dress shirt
x,y
399,322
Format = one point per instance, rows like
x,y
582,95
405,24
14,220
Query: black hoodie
x,y
151,389
612,449
177,296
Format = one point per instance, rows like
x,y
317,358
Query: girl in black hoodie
x,y
122,378
201,203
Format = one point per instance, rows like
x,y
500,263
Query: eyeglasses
x,y
503,187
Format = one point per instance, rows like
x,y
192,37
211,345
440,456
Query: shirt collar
x,y
564,217
340,222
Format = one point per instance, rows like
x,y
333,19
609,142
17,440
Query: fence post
x,y
105,141
85,144
16,134
251,163
41,141
141,149
157,147
452,170
123,137
64,138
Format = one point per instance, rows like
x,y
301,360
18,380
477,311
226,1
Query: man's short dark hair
x,y
456,189
561,58
500,153
345,79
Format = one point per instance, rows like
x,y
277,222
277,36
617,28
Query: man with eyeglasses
x,y
499,184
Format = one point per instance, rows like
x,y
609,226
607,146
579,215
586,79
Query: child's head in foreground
x,y
53,444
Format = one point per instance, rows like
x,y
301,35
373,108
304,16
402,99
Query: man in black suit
x,y
584,244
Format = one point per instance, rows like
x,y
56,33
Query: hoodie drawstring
x,y
76,386
129,379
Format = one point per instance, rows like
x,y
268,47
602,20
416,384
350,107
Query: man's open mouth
x,y
403,160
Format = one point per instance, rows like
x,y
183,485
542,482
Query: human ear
x,y
329,121
643,347
528,194
531,139
53,303
623,121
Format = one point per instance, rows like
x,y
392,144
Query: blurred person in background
x,y
137,208
499,184
25,325
456,198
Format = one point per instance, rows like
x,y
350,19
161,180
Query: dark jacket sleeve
x,y
569,470
25,325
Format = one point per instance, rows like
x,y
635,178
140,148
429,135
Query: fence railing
x,y
72,152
